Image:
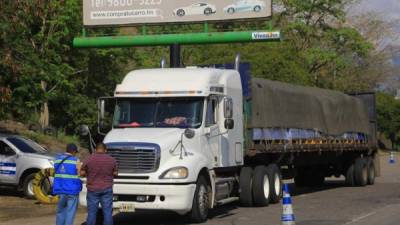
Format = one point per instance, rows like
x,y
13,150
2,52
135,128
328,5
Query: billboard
x,y
126,12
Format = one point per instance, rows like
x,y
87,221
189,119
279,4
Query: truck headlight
x,y
175,173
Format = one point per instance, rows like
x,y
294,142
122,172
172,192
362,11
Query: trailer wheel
x,y
245,183
201,201
360,172
350,176
371,171
275,178
261,186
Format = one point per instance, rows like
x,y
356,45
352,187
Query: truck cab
x,y
173,131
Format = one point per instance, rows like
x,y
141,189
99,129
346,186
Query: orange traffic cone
x,y
287,214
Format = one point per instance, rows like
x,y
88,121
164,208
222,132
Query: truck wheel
x,y
27,186
275,179
201,202
350,176
360,172
371,171
261,186
245,183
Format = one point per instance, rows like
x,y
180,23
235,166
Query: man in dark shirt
x,y
99,170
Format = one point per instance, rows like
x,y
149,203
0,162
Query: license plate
x,y
127,207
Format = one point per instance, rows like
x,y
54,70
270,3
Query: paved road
x,y
333,204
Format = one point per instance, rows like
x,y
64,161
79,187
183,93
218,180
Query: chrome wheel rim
x,y
277,185
266,186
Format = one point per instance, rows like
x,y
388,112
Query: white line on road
x,y
357,219
361,217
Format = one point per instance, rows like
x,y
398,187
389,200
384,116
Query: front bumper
x,y
171,197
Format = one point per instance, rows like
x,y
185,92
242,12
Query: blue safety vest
x,y
66,178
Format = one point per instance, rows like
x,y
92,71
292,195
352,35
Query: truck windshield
x,y
158,112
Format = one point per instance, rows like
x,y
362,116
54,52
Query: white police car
x,y
20,160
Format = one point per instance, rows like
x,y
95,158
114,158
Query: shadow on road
x,y
330,184
167,218
10,192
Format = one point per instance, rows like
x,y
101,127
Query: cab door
x,y
213,134
8,165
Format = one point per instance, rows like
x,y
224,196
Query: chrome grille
x,y
136,159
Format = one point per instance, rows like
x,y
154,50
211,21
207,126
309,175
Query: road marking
x,y
357,219
361,217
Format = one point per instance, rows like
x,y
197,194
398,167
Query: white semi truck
x,y
189,139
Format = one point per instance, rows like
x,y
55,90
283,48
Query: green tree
x,y
388,110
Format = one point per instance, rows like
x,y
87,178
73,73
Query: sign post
x,y
175,55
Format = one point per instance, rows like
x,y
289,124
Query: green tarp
x,y
281,105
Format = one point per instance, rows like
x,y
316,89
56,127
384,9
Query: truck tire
x,y
261,186
275,179
371,171
201,201
27,186
360,172
350,176
245,183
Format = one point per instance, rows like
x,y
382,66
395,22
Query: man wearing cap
x,y
67,185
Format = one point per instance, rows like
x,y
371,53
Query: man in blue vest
x,y
67,185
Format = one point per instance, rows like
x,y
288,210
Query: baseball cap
x,y
72,147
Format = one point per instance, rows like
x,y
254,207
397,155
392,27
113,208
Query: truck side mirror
x,y
228,108
229,124
105,106
83,130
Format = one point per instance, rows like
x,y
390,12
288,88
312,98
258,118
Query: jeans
x,y
66,209
105,198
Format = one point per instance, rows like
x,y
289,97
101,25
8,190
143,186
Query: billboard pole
x,y
175,55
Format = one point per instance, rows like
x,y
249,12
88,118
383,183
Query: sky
x,y
389,9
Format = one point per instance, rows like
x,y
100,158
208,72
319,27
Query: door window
x,y
5,149
211,115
